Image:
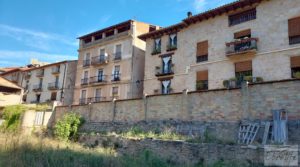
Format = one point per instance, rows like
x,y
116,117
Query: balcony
x,y
105,39
171,47
84,81
53,86
118,56
83,101
37,88
164,71
86,63
96,99
98,79
241,47
55,70
40,73
115,77
156,51
98,60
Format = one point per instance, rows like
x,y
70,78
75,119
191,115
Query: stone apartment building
x,y
250,40
111,63
51,82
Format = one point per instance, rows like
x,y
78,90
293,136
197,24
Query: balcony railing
x,y
241,46
156,50
161,71
171,47
84,81
86,63
116,77
83,101
98,79
37,88
40,73
53,86
102,59
55,70
118,56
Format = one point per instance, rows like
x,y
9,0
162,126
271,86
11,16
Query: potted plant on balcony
x,y
249,79
226,83
297,75
199,85
156,50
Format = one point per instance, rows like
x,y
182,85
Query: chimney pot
x,y
189,14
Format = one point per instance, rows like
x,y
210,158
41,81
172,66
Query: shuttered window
x,y
242,34
294,30
202,51
53,95
202,80
243,66
295,61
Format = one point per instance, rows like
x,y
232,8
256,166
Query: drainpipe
x,y
63,84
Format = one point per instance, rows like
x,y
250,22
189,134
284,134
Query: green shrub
x,y
259,79
226,83
67,127
12,118
297,74
248,78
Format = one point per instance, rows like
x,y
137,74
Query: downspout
x,y
63,84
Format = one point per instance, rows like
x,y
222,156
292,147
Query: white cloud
x,y
21,58
35,39
200,5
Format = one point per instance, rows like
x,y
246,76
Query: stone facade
x,y
253,102
45,80
271,60
130,63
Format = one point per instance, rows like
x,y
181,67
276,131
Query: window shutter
x,y
202,75
202,48
295,61
294,27
242,33
243,66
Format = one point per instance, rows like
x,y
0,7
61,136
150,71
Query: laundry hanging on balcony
x,y
165,86
166,61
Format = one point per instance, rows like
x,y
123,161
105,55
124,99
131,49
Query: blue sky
x,y
47,29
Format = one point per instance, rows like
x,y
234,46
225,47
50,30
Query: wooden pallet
x,y
247,133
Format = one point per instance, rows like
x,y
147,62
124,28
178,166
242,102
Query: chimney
x,y
189,14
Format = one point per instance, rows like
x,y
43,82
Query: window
x,y
41,82
157,46
124,28
202,51
166,87
172,45
53,96
295,66
118,52
116,73
242,17
110,33
38,98
98,36
100,75
56,80
85,77
202,80
115,91
167,65
82,99
242,34
87,40
294,31
97,95
242,69
86,60
24,98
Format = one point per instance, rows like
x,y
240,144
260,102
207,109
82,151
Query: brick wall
x,y
252,102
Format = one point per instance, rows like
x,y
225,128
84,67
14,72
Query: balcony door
x,y
166,64
102,54
116,73
100,75
97,95
166,85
